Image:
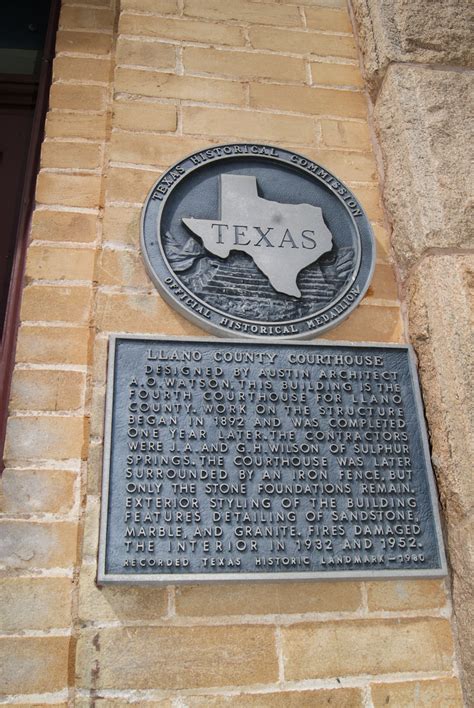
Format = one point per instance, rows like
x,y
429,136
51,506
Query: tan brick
x,y
267,598
336,74
152,149
61,304
305,99
89,18
161,7
137,313
52,345
369,197
128,184
36,544
327,19
149,54
243,65
122,225
382,242
68,190
182,30
77,98
33,664
83,42
244,11
344,134
91,529
35,603
43,390
406,595
67,68
135,116
383,285
77,155
56,263
366,647
322,45
45,437
249,125
37,490
83,702
339,697
191,88
117,267
166,657
50,225
76,125
111,603
370,324
348,166
442,692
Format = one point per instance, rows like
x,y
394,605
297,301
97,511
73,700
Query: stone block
x,y
66,68
77,97
340,75
424,32
52,345
33,664
244,11
181,30
118,267
267,598
83,42
248,125
361,647
111,603
91,126
162,150
86,18
51,225
328,19
440,314
418,694
370,324
56,263
321,45
122,225
68,189
155,117
177,657
395,595
187,88
64,155
429,206
340,698
33,491
306,99
33,437
50,303
153,55
36,544
35,604
160,7
243,65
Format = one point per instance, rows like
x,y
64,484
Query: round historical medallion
x,y
258,241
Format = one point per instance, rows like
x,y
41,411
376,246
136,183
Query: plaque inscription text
x,y
227,460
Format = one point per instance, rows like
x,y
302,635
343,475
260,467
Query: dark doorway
x,y
27,38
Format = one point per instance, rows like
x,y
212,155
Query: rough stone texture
x,y
440,300
425,31
339,697
35,603
177,657
419,694
424,120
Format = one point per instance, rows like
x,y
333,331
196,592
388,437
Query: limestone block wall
x,y
418,62
138,84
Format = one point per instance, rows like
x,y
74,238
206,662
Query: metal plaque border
x,y
104,578
216,329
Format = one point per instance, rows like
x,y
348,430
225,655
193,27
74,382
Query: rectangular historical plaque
x,y
231,460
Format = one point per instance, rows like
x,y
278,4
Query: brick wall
x,y
136,87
